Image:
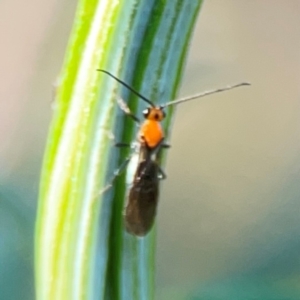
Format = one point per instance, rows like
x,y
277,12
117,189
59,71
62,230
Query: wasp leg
x,y
166,146
122,145
117,144
127,111
121,168
117,173
162,175
157,148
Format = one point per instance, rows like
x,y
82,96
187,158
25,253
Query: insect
x,y
140,209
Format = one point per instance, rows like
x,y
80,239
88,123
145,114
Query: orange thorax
x,y
151,133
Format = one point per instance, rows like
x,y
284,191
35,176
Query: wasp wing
x,y
142,202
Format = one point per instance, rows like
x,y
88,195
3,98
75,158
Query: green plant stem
x,y
82,251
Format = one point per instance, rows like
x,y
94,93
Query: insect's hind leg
x,y
117,173
122,167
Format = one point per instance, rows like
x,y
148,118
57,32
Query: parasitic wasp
x,y
140,209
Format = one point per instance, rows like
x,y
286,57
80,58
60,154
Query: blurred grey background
x,y
228,223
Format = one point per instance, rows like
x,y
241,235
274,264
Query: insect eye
x,y
146,112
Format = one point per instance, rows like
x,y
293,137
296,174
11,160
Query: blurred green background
x,y
228,222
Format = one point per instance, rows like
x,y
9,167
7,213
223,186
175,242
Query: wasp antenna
x,y
203,94
127,86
